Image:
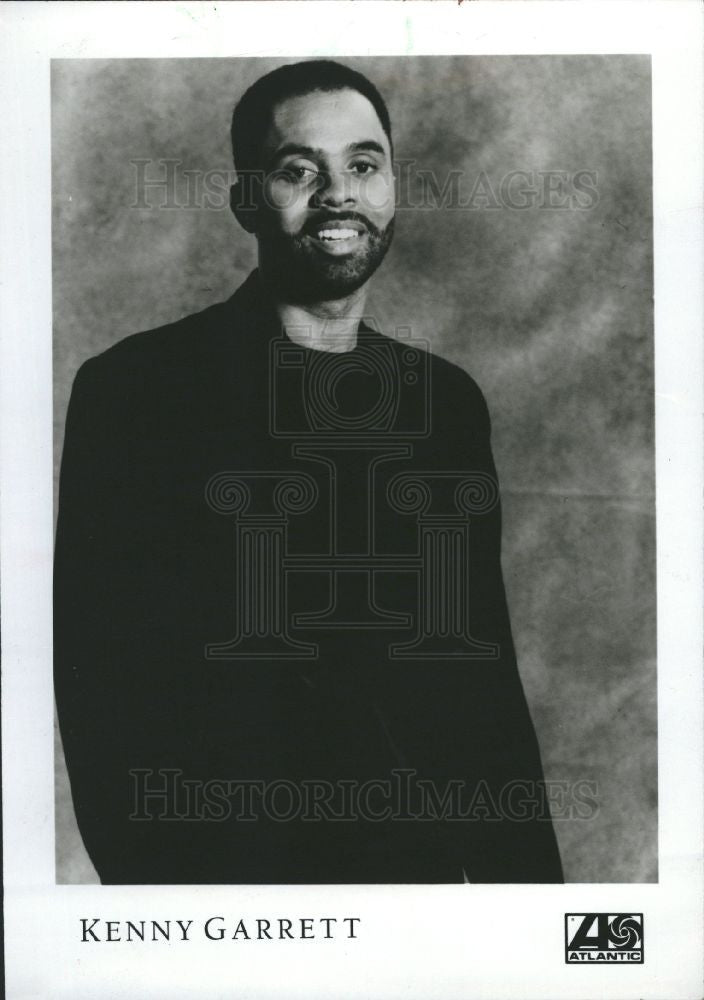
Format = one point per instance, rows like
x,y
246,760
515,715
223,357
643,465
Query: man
x,y
282,649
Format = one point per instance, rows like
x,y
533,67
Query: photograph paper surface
x,y
363,608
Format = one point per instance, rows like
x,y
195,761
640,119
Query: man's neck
x,y
329,325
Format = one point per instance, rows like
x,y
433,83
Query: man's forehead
x,y
326,120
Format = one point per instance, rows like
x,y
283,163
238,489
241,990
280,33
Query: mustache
x,y
311,227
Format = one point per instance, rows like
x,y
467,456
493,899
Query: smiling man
x,y
282,648
317,138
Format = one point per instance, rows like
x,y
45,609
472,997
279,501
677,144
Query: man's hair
x,y
253,113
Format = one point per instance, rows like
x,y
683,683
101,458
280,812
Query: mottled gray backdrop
x,y
549,308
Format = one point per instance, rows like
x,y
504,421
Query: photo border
x,y
499,940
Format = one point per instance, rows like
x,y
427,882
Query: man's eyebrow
x,y
297,149
369,145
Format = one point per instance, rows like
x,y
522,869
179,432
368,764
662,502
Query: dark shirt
x,y
282,566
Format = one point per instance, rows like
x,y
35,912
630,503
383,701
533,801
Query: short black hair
x,y
252,115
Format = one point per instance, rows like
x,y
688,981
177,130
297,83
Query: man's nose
x,y
334,190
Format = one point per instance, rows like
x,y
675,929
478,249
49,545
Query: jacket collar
x,y
250,301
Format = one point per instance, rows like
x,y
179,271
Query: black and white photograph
x,y
365,614
283,647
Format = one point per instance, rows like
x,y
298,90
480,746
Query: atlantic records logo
x,y
604,938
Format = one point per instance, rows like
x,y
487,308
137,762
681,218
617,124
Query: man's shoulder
x,y
450,384
199,338
182,339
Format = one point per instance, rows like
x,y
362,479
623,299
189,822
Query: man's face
x,y
326,217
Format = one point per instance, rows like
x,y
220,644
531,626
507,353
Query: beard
x,y
305,274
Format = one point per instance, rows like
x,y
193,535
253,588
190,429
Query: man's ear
x,y
243,203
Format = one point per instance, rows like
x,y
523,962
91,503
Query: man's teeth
x,y
337,234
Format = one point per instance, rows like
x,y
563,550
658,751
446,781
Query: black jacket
x,y
282,566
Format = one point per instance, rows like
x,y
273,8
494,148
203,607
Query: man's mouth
x,y
337,234
337,231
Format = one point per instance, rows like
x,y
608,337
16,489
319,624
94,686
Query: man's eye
x,y
299,172
363,167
